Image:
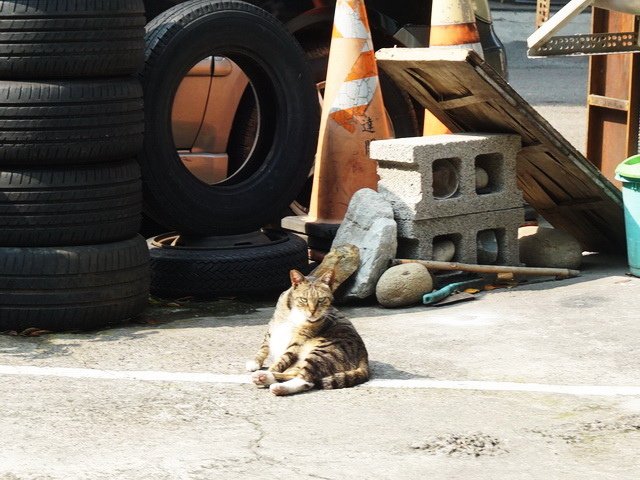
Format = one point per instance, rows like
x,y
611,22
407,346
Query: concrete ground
x,y
536,381
539,381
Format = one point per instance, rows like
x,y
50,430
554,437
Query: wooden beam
x,y
608,102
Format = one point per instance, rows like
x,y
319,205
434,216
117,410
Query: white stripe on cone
x,y
355,93
348,22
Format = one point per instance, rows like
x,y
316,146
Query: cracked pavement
x,y
574,332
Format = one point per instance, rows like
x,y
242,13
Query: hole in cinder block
x,y
446,178
489,173
488,247
446,248
501,235
408,248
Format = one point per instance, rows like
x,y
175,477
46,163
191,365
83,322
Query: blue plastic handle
x,y
444,292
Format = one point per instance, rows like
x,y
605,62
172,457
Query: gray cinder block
x,y
406,168
416,237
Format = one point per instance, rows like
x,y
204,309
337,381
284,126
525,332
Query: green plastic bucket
x,y
628,172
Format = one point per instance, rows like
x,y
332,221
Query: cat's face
x,y
312,297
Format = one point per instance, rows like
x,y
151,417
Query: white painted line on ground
x,y
414,383
146,375
594,390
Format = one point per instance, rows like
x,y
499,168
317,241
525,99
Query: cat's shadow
x,y
382,370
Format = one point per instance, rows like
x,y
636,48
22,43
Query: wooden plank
x,y
551,172
459,102
608,102
539,148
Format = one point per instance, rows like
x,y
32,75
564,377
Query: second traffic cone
x,y
353,115
453,24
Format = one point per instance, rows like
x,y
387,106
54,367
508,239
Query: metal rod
x,y
466,267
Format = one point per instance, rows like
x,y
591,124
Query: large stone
x,y
369,225
549,247
403,285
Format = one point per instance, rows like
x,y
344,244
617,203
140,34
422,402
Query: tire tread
x,y
54,122
182,272
69,288
71,39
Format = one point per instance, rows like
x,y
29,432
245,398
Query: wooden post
x,y
613,98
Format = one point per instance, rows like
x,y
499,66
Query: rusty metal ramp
x,y
467,95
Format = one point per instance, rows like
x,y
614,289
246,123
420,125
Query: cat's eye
x,y
302,301
323,300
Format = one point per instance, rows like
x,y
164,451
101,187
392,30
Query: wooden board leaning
x,y
467,95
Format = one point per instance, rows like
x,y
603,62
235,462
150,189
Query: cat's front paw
x,y
279,389
263,378
252,366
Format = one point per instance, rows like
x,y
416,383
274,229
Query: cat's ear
x,y
296,278
327,278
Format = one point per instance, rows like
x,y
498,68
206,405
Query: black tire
x,y
179,271
70,205
275,64
73,288
53,122
91,38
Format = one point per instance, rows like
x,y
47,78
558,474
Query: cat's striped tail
x,y
350,378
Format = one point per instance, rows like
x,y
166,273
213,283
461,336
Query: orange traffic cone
x,y
453,24
352,116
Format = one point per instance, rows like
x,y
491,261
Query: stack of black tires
x,y
71,123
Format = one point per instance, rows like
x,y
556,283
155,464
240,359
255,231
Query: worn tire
x,y
54,122
205,273
274,62
70,205
64,39
73,288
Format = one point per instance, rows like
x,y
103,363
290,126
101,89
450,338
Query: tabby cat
x,y
310,343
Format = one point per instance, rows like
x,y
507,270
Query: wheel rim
x,y
174,240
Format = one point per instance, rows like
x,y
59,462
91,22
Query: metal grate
x,y
588,44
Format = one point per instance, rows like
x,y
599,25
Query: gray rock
x,y
369,225
548,247
403,285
